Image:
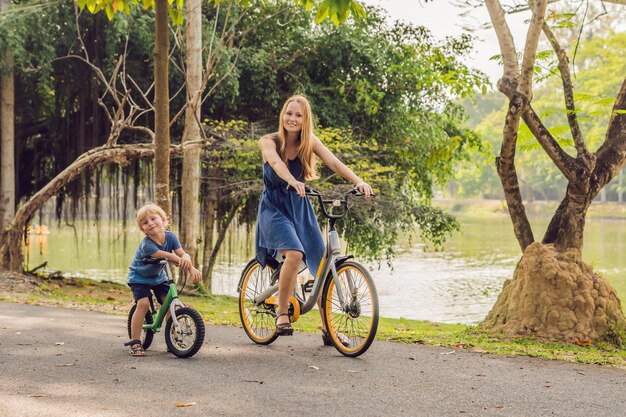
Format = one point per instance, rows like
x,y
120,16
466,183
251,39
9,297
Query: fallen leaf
x,y
314,367
411,359
499,406
352,371
584,342
66,364
447,353
185,404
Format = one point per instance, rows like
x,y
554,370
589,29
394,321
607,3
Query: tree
x,y
553,294
7,133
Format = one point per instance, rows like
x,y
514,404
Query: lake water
x,y
456,285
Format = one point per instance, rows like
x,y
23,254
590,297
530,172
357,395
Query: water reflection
x,y
458,285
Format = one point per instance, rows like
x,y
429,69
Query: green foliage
x,y
335,10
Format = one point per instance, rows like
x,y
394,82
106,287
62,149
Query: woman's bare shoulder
x,y
270,136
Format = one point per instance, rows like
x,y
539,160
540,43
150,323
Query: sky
x,y
443,19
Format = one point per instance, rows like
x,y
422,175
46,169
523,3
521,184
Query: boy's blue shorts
x,y
143,290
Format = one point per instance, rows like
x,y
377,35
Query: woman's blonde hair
x,y
151,208
305,149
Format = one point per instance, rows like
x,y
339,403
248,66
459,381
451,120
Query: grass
x,y
223,310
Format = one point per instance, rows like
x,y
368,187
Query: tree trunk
x,y
224,224
505,167
211,207
7,134
162,108
191,155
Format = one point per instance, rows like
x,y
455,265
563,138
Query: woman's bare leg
x,y
286,282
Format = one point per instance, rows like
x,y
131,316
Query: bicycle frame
x,y
328,263
170,304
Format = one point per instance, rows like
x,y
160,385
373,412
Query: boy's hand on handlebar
x,y
195,274
185,262
298,186
365,188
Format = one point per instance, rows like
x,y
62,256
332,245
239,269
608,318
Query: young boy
x,y
158,243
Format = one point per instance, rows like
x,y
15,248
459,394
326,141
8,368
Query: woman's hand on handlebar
x,y
364,188
298,186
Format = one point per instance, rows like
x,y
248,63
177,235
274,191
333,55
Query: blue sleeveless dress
x,y
287,221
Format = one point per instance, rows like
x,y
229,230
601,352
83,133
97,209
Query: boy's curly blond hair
x,y
151,208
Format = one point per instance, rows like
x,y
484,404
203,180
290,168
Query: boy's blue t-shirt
x,y
151,274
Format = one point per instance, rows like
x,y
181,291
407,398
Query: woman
x,y
286,221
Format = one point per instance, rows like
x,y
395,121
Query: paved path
x,y
56,362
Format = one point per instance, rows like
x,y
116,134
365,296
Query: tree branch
x,y
525,85
564,162
568,92
505,39
611,156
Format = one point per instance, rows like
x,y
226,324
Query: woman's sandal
x,y
284,329
328,340
136,349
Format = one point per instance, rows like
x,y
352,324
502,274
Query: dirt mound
x,y
555,296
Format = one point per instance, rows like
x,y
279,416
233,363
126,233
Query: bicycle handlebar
x,y
153,261
335,202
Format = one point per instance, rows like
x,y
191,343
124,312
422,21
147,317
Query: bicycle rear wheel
x,y
352,326
146,335
258,320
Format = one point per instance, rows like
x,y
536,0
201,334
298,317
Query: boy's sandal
x,y
284,329
328,340
136,349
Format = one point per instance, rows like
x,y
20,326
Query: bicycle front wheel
x,y
352,325
186,338
258,320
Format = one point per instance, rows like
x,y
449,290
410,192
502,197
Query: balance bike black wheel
x,y
186,339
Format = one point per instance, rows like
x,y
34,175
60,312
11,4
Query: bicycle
x,y
349,297
184,336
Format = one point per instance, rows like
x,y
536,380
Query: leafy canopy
x,y
335,10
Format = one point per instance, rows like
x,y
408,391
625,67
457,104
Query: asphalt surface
x,y
56,362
